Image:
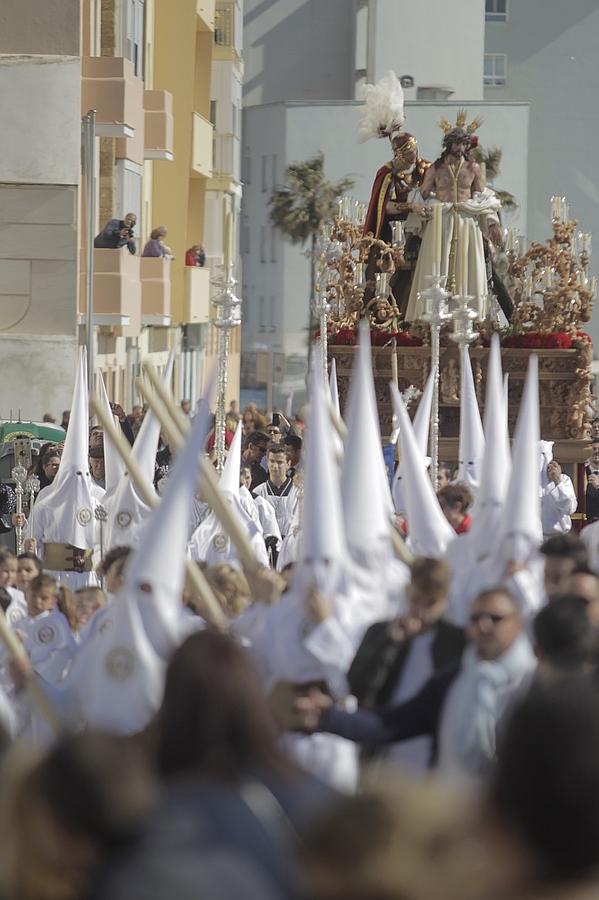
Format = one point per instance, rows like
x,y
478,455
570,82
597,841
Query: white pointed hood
x,y
155,573
146,442
429,532
71,496
334,387
128,511
114,467
421,425
365,495
323,534
520,531
496,463
229,479
472,439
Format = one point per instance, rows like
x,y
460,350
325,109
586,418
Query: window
x,y
263,243
273,244
495,69
261,311
133,34
213,112
244,239
273,324
274,170
246,166
496,10
264,173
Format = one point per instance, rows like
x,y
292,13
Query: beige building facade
x,y
145,67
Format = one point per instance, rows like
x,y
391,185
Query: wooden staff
x,y
17,652
212,607
399,546
210,489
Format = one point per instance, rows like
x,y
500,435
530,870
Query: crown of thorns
x,y
460,123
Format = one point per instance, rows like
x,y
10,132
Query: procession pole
x,y
210,488
121,445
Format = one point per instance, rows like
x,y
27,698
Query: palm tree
x,y
304,203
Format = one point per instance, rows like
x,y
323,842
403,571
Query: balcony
x,y
227,156
117,291
196,298
224,24
201,151
205,15
158,125
155,291
109,85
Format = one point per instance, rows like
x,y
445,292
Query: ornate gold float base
x,y
564,387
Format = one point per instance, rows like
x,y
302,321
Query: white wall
x,y
552,62
38,374
298,50
41,120
436,41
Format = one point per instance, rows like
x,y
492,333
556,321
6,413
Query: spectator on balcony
x,y
156,246
195,256
118,233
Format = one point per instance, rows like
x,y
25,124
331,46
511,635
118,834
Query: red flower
x,y
557,340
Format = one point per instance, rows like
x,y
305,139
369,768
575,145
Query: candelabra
x,y
436,314
463,317
551,283
226,315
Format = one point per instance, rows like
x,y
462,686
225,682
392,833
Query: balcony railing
x,y
155,290
201,159
117,290
227,156
159,126
196,300
224,24
109,85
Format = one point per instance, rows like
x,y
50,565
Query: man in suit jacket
x,y
396,658
458,707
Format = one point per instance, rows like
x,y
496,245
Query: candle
x,y
437,231
340,207
228,227
394,366
464,239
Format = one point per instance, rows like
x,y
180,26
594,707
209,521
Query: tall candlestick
x,y
464,239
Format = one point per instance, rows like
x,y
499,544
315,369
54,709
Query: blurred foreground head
x,y
214,720
398,840
545,792
63,813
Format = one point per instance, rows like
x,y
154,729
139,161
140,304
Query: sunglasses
x,y
475,618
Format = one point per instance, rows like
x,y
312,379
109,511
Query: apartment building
x,y
145,67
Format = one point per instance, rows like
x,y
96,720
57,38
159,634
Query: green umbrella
x,y
39,431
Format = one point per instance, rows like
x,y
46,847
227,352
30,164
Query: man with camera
x,y
118,233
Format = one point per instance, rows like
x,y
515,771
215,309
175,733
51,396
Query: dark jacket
x,y
378,664
419,716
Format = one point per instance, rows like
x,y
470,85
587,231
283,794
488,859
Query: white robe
x,y
475,213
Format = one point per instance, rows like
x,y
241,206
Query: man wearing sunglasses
x,y
458,707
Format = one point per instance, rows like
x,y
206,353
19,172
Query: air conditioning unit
x,y
434,92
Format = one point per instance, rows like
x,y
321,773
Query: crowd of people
x,y
337,684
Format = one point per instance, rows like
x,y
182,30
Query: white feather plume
x,y
383,108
